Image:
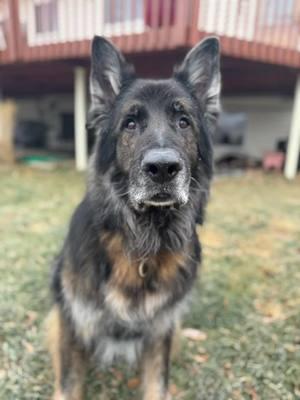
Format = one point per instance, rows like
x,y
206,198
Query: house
x,y
45,47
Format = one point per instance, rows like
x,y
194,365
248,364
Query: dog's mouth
x,y
160,201
159,198
155,203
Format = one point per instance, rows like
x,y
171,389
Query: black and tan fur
x,y
130,258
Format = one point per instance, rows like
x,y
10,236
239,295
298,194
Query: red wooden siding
x,y
262,30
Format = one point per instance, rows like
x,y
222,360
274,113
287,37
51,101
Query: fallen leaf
x,y
201,350
31,317
38,227
297,391
28,347
194,334
173,389
211,238
201,358
271,311
117,374
252,393
227,365
133,383
291,348
236,394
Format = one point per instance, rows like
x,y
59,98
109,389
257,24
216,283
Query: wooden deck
x,y
260,30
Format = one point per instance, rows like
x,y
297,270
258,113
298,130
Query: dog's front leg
x,y
67,358
155,368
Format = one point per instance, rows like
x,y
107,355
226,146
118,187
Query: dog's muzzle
x,y
162,168
159,179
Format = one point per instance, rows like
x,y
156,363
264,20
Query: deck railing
x,y
264,30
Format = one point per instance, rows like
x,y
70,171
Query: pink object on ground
x,y
273,160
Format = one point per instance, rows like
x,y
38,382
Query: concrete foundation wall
x,y
269,120
47,109
268,117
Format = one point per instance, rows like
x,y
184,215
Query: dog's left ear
x,y
200,70
109,71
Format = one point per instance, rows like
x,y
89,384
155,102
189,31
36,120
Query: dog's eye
x,y
183,123
130,124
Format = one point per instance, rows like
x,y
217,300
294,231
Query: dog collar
x,y
142,269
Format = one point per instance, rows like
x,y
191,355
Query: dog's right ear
x,y
109,71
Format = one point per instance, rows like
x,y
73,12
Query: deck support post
x,y
8,111
293,149
81,151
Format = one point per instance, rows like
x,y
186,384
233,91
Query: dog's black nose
x,y
161,165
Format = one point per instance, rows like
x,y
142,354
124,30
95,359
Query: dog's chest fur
x,y
128,307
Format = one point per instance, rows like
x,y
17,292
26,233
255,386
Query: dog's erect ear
x,y
200,70
109,71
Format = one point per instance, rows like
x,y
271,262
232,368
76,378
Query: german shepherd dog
x,y
131,254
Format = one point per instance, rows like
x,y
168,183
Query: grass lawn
x,y
247,304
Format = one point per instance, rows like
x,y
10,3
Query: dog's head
x,y
154,135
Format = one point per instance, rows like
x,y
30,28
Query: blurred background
x,y
44,66
241,338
